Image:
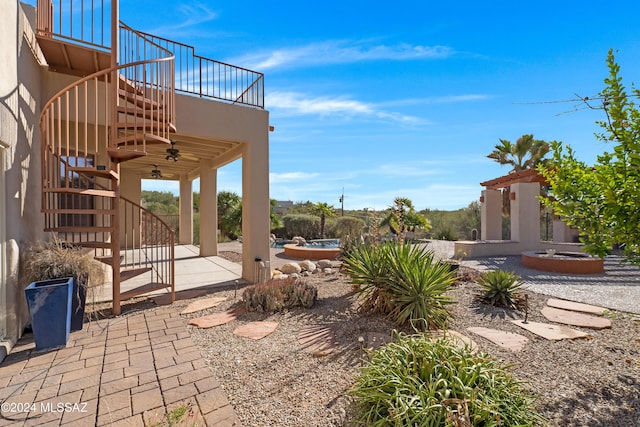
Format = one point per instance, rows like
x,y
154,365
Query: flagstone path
x,y
573,318
255,330
550,332
576,306
217,319
507,340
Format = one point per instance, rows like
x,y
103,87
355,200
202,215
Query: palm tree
x,y
526,153
323,210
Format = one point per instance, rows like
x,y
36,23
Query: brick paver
x,y
126,371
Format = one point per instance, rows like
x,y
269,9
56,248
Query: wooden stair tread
x,y
138,100
85,191
145,125
122,154
133,272
155,114
144,289
147,138
108,259
102,173
128,85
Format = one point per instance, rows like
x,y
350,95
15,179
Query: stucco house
x,y
88,108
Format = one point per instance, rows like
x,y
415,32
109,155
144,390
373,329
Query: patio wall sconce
x,y
481,199
512,196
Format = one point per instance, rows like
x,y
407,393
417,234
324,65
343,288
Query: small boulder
x,y
299,240
307,265
327,270
324,263
291,267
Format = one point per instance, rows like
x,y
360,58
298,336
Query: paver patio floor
x,y
129,370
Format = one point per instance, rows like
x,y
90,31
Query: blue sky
x,y
406,99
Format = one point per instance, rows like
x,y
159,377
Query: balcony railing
x,y
208,78
87,22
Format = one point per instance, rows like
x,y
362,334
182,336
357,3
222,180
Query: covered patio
x,y
192,272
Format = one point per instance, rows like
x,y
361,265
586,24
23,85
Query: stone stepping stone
x,y
255,330
550,332
507,340
317,340
576,306
217,319
575,319
456,338
203,304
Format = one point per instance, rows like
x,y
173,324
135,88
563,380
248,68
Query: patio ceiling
x,y
192,149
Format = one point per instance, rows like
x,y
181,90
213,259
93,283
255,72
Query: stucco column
x,y
208,209
255,205
491,215
186,211
525,213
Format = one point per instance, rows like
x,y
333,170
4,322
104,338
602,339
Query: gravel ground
x,y
273,382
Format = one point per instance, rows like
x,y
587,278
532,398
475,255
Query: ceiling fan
x,y
155,172
172,153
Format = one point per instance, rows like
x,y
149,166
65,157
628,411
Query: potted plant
x,y
56,260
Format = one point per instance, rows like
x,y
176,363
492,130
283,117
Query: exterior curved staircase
x,y
87,130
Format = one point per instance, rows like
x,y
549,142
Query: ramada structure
x,y
88,108
525,219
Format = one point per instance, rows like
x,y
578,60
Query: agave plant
x,y
500,288
419,286
402,281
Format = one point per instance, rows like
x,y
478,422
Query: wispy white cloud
x,y
434,100
288,177
301,104
189,15
339,52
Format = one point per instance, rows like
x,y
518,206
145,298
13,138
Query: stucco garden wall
x,y
20,103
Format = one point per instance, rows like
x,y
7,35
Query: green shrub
x,y
419,382
500,288
344,226
307,226
400,280
278,295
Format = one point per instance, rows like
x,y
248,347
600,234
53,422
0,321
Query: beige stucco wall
x,y
250,128
20,103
